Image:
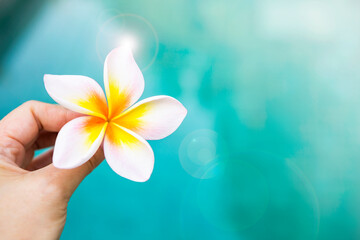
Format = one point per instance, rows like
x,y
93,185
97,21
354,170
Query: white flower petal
x,y
124,82
153,118
128,154
77,141
77,93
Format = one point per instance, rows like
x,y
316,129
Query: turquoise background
x,y
270,146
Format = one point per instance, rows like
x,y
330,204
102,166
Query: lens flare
x,y
132,31
129,42
200,155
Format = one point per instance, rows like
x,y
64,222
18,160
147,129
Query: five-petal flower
x,y
113,122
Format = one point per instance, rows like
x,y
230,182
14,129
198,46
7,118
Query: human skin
x,y
33,193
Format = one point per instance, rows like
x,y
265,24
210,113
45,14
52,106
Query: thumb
x,y
67,180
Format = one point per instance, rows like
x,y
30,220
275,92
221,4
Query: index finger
x,y
21,127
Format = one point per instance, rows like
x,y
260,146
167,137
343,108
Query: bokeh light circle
x,y
118,29
199,154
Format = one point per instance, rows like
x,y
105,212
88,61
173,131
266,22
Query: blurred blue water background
x,y
270,146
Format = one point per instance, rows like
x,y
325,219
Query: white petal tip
x,y
62,165
183,112
138,179
48,81
135,177
122,49
47,77
68,163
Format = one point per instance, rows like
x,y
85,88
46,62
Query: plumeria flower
x,y
112,122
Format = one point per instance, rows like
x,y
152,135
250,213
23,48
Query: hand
x,y
33,193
